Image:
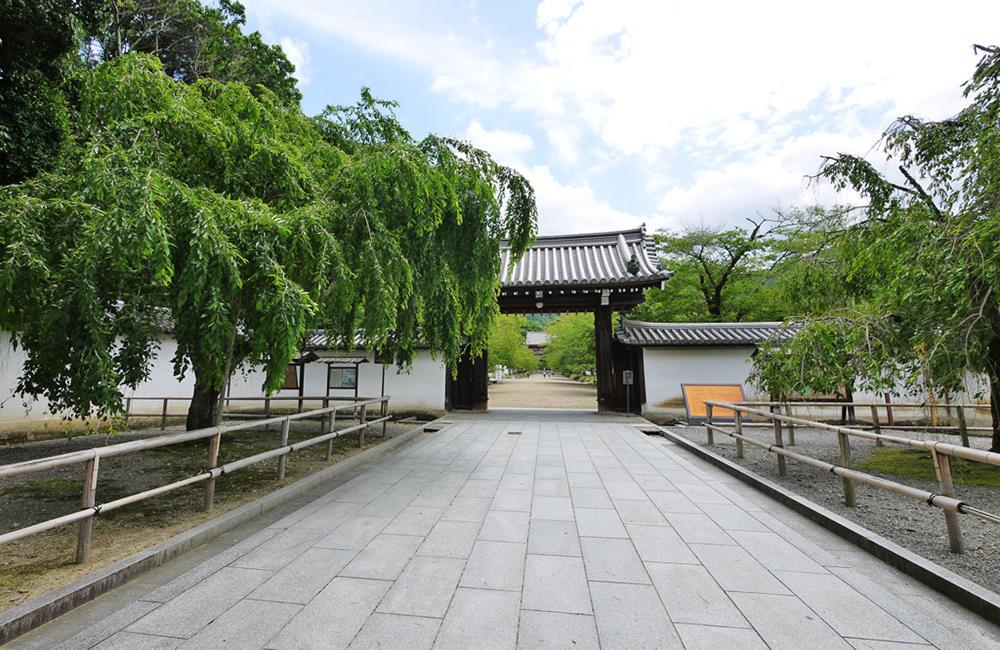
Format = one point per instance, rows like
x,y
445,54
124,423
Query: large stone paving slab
x,y
577,531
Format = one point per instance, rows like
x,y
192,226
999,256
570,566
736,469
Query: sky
x,y
624,112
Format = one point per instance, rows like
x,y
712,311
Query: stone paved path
x,y
508,531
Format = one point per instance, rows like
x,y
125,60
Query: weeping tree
x,y
928,247
228,214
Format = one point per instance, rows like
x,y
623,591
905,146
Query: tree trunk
x,y
993,373
201,413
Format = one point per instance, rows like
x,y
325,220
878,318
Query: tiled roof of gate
x,y
587,259
633,332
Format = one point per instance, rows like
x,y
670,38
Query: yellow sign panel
x,y
696,394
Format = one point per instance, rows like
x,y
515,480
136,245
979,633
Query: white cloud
x,y
297,52
729,193
575,208
506,147
738,98
562,207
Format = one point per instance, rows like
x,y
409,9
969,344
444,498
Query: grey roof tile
x,y
633,332
585,259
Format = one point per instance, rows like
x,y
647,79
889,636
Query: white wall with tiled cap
x,y
422,388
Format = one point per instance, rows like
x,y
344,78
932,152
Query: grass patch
x,y
917,463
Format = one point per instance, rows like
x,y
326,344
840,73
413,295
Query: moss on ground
x,y
917,463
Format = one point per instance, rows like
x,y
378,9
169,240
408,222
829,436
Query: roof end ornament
x,y
633,265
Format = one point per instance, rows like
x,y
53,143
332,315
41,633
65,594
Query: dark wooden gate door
x,y
469,389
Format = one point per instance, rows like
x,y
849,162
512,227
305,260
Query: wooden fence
x,y
878,421
941,453
90,459
267,404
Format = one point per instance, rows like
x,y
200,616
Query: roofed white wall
x,y
666,368
669,367
422,389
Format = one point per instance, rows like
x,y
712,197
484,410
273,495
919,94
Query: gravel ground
x,y
907,522
543,392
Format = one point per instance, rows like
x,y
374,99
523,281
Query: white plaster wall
x,y
12,407
667,368
422,389
162,383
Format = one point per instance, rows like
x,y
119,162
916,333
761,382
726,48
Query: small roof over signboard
x,y
634,332
331,358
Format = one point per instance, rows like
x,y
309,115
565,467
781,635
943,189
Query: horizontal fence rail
x,y
165,413
876,410
941,453
90,459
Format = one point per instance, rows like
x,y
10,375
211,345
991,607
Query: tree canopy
x,y
927,246
194,41
570,349
770,270
507,345
225,213
38,39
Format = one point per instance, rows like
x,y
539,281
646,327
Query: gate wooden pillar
x,y
605,362
624,358
468,390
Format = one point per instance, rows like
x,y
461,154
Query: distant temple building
x,y
536,342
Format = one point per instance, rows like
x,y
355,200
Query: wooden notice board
x,y
291,377
696,394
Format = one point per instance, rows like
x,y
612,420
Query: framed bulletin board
x,y
342,377
696,394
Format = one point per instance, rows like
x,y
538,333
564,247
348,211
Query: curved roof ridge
x,y
642,333
704,324
547,241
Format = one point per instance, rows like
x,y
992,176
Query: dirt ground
x,y
537,391
39,563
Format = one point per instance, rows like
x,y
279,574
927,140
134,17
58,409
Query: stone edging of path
x,y
34,613
970,595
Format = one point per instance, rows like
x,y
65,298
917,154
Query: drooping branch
x,y
922,193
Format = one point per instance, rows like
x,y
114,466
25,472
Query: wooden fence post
x,y
384,412
163,417
329,443
738,419
283,458
88,500
844,441
942,466
963,427
778,442
790,425
876,426
362,419
708,424
213,459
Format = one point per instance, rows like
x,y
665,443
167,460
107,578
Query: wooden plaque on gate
x,y
696,394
